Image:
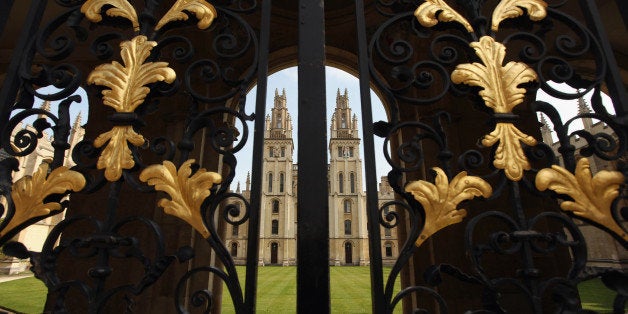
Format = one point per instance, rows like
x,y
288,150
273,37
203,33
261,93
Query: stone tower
x,y
348,234
278,223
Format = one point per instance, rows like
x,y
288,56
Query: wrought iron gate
x,y
166,82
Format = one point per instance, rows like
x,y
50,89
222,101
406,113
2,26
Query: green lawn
x,y
350,292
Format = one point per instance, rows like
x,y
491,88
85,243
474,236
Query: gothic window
x,y
352,183
270,182
275,227
341,188
387,232
275,206
347,227
283,151
388,249
350,151
339,151
279,121
234,230
271,152
281,181
343,121
234,249
347,206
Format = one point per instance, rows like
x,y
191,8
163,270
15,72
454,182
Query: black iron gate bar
x,y
196,195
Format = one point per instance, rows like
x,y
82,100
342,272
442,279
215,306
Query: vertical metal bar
x,y
614,83
372,207
5,10
313,207
258,151
11,84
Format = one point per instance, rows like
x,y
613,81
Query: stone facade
x,y
33,236
611,254
347,201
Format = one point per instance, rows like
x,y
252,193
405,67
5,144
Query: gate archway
x,y
450,74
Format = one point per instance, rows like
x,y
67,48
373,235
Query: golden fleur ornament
x,y
592,196
507,9
499,83
432,11
186,193
509,155
128,82
117,155
205,13
127,90
440,200
120,8
29,192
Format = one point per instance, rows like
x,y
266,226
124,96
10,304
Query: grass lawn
x,y
350,292
26,295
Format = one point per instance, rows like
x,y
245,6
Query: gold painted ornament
x,y
205,13
592,195
441,199
187,193
127,90
119,8
28,193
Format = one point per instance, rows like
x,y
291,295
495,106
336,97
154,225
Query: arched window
x,y
271,151
281,181
234,249
347,227
352,183
275,206
339,151
283,151
341,188
388,249
270,182
234,230
278,121
347,206
275,227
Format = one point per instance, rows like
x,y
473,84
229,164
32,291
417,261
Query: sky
x,y
335,79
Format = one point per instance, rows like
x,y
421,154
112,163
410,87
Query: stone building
x,y
612,254
33,237
347,201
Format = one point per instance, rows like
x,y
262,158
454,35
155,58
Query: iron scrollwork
x,y
497,85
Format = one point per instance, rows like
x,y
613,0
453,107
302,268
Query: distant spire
x,y
283,93
338,93
544,126
346,92
45,105
77,121
248,181
238,188
276,92
582,106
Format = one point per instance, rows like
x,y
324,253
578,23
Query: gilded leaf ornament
x,y
509,155
440,200
128,82
205,13
507,9
120,8
592,195
500,92
186,192
29,193
499,83
432,11
117,155
127,90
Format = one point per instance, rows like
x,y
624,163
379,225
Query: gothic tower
x,y
348,234
278,223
